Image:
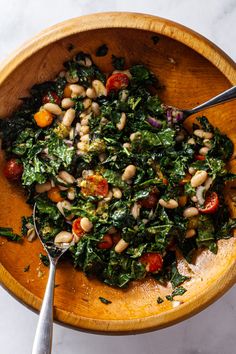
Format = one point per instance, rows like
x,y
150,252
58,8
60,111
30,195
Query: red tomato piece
x,y
13,170
95,185
117,82
51,97
106,242
116,238
199,157
153,261
77,229
150,201
211,204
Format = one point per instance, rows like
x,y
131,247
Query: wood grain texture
x,y
191,70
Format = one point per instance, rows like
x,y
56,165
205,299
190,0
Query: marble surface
x,y
213,330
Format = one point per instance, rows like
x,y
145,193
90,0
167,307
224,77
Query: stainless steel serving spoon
x,y
181,115
43,336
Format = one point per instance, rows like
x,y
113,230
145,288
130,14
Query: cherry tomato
x,y
77,229
150,201
153,261
117,82
106,242
43,118
54,195
199,157
51,97
13,170
211,204
95,185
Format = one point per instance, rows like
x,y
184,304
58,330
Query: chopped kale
x,y
105,301
176,292
160,300
9,234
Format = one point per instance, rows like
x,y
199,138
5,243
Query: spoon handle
x,y
43,336
225,96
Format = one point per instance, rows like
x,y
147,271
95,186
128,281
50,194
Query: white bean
x,y
64,205
91,93
117,193
86,224
189,212
53,108
194,199
86,173
207,143
102,157
190,233
68,117
127,145
43,187
133,136
199,178
85,120
192,170
67,103
109,196
203,151
99,88
135,211
170,204
77,90
207,135
208,183
121,246
124,95
87,103
82,146
129,173
63,237
191,141
199,133
85,138
120,126
84,130
67,177
71,194
95,108
31,234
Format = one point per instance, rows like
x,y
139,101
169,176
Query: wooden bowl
x,y
192,70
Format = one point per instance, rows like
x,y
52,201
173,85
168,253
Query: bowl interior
x,y
187,79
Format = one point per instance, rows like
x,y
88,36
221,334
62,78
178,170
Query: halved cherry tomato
x,y
117,82
13,170
51,97
211,204
43,118
94,185
54,195
106,242
165,181
150,201
77,229
199,157
153,261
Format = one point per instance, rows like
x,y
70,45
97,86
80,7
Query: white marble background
x,y
213,330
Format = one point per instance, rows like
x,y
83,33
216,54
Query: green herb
x,y
104,301
102,51
177,292
9,234
160,300
44,259
176,277
26,268
118,62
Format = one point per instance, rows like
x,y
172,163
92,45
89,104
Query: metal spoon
x,y
177,115
43,336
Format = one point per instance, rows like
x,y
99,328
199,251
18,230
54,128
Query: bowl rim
x,y
200,45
